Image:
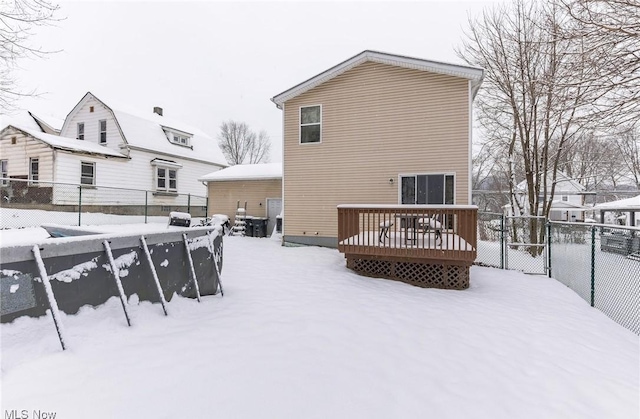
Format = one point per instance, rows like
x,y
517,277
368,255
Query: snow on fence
x,y
68,273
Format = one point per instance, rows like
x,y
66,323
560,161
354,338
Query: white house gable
x,y
93,122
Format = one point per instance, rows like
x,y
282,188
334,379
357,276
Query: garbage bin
x,y
279,224
249,226
260,227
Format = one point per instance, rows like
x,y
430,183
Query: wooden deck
x,y
424,245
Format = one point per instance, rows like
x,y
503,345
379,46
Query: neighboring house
x,y
568,203
104,146
375,129
258,186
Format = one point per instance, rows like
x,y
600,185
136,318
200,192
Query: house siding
x,y
92,124
224,196
139,174
378,121
18,155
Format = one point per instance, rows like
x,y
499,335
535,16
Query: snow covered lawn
x,y
297,335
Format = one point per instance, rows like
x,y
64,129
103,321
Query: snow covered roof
x,y
245,172
563,184
471,73
20,118
66,144
145,130
50,122
622,204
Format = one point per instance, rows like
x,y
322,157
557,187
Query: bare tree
x,y
535,100
260,148
610,31
628,146
241,145
17,21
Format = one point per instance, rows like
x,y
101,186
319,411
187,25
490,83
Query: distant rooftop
x,y
245,172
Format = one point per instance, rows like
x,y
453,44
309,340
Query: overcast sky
x,y
207,62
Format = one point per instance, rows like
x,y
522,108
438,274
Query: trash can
x,y
249,226
260,227
279,224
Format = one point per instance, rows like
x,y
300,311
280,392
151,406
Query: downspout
x,y
470,161
283,178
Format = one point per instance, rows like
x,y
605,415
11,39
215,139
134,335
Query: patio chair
x,y
426,224
385,226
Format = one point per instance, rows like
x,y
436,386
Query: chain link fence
x,y
30,204
601,263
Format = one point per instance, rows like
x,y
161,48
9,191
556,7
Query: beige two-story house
x,y
375,129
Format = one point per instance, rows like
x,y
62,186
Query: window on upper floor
x,y
565,198
80,131
311,124
34,170
180,139
4,172
427,189
87,173
103,131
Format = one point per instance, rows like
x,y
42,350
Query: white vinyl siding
x,y
18,155
92,125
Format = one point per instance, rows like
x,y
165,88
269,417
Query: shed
x,y
257,185
630,206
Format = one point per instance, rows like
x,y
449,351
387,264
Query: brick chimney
x,y
158,110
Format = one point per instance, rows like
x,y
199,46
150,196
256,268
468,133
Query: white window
x,y
311,124
87,173
427,189
180,139
565,198
103,131
166,179
34,169
80,130
4,171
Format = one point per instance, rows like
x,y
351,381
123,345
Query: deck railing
x,y
438,232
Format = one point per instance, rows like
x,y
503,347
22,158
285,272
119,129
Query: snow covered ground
x,y
297,335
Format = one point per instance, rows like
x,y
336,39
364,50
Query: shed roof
x,y
245,172
67,144
474,74
621,204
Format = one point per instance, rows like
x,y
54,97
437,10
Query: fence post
x,y
548,249
189,203
80,206
501,241
593,266
146,210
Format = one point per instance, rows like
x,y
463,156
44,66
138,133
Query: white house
x,y
568,202
100,145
